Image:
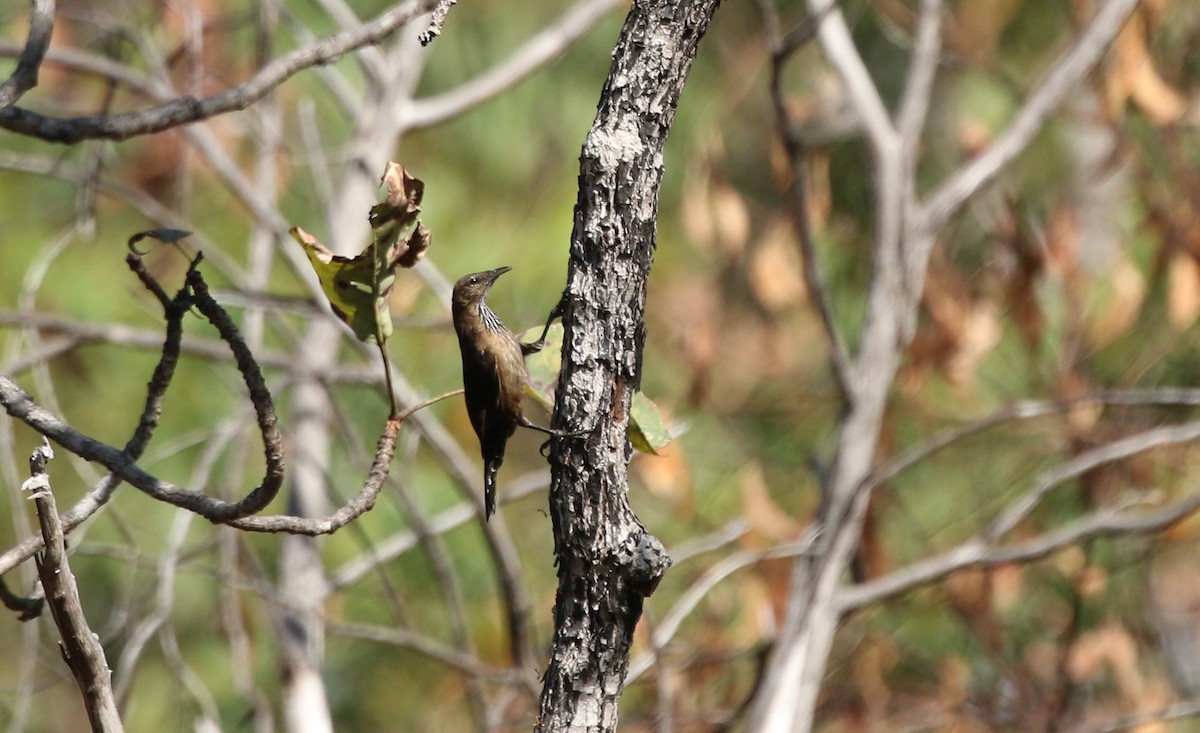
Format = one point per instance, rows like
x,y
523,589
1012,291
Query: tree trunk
x,y
607,562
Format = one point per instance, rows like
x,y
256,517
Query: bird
x,y
494,376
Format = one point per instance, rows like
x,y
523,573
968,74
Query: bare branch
x,y
26,607
93,500
82,333
80,646
25,76
1064,77
978,553
536,52
793,145
186,109
360,504
355,570
435,24
426,647
122,462
1086,461
666,629
914,105
1024,410
835,39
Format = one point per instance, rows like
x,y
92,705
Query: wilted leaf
x,y
358,288
872,664
395,222
963,328
969,592
1007,586
351,284
954,681
647,429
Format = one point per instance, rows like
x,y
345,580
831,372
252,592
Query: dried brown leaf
x,y
767,520
1135,78
976,27
1123,304
1183,290
731,218
775,273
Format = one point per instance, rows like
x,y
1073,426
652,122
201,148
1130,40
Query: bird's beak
x,y
491,275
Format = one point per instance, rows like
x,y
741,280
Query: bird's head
x,y
472,288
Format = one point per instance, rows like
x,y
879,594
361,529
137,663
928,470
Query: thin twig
x,y
1187,709
1064,77
666,629
978,553
1025,410
535,53
184,110
84,333
794,148
1087,461
360,504
424,646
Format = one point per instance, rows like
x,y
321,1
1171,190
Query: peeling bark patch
x,y
611,148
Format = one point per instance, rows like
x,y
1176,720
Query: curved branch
x,y
187,109
348,512
20,405
25,76
360,504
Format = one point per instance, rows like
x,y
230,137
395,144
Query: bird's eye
x,y
474,280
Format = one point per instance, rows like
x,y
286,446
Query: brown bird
x,y
493,362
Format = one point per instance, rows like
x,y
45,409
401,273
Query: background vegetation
x,y
1077,273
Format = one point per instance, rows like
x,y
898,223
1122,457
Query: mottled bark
x,y
607,562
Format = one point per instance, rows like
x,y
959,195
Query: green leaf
x,y
359,288
647,430
543,367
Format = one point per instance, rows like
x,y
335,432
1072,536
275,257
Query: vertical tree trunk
x,y
607,562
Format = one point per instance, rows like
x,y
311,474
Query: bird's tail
x,y
490,468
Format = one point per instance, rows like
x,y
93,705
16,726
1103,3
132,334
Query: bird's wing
x,y
480,387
